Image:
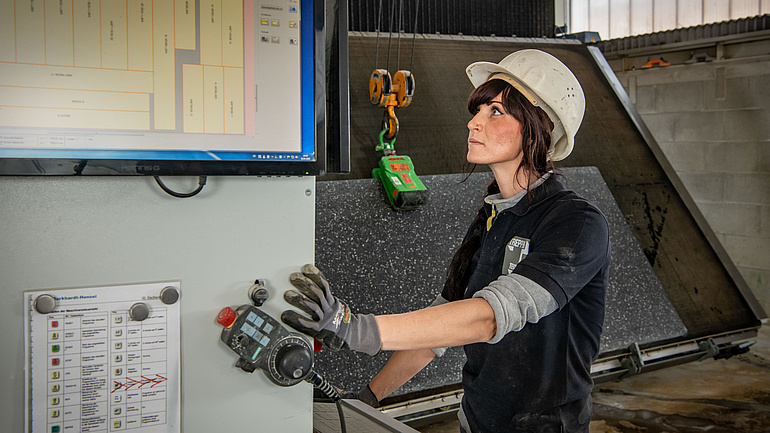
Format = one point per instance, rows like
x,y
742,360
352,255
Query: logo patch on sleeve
x,y
515,251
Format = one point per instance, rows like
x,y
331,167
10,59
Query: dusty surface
x,y
716,396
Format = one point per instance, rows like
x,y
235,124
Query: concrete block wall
x,y
712,121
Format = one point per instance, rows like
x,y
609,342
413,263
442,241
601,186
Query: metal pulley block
x,y
379,87
403,87
391,94
386,91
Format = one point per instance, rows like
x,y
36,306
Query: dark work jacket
x,y
540,376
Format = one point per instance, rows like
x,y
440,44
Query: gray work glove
x,y
365,395
330,321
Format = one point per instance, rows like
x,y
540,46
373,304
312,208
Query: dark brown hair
x,y
536,129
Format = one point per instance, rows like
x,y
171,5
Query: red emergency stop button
x,y
226,317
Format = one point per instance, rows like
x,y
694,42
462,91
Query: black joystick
x,y
293,361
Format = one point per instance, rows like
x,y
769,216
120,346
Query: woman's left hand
x,y
331,321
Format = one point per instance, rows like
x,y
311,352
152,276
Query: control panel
x,y
262,342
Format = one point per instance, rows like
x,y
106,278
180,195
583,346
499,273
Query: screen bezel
x,y
313,66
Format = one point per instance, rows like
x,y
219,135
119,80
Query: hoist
x,y
391,93
403,188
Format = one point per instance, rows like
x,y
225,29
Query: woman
x,y
525,291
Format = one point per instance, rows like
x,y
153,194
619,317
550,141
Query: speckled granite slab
x,y
382,261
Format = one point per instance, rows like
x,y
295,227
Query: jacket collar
x,y
521,204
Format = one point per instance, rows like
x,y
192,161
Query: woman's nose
x,y
473,124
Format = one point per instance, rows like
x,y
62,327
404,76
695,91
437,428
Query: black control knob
x,y
293,361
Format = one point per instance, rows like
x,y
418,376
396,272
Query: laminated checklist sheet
x,y
103,359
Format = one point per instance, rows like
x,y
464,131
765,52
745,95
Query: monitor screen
x,y
191,87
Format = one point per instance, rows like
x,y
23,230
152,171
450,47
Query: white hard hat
x,y
548,84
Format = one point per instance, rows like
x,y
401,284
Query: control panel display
x,y
225,81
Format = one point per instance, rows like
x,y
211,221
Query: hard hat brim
x,y
480,72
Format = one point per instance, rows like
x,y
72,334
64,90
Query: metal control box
x,y
90,232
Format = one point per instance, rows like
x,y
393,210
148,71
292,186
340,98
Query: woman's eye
x,y
496,111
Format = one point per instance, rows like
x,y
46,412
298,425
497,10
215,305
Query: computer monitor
x,y
206,87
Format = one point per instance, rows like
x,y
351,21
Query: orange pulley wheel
x,y
379,87
403,87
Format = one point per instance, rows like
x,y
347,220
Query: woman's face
x,y
494,136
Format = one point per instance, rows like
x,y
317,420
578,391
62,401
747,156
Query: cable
x,y
377,47
400,23
325,387
169,191
414,33
392,16
343,428
390,32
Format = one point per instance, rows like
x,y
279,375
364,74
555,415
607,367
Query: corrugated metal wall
x,y
620,18
523,18
689,34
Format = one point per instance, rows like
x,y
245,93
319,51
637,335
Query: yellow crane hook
x,y
391,94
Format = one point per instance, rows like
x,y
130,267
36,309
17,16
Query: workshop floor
x,y
722,396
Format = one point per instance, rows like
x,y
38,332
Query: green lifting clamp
x,y
405,191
